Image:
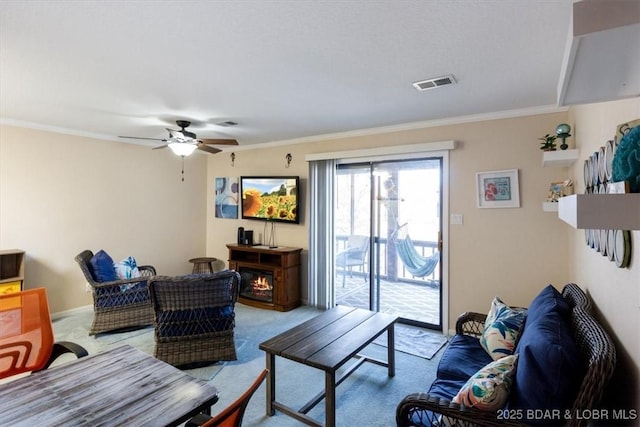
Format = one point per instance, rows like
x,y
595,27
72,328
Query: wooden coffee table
x,y
327,342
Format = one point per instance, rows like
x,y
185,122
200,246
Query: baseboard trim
x,y
66,313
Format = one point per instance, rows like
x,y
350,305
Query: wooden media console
x,y
270,277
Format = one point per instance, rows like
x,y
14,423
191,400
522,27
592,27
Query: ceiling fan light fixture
x,y
182,148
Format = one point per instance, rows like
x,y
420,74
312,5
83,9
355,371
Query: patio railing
x,y
392,267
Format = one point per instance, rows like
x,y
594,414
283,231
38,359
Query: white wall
x,y
615,291
512,253
62,194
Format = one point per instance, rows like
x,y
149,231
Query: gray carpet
x,y
367,398
416,341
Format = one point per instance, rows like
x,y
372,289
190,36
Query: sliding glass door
x,y
388,220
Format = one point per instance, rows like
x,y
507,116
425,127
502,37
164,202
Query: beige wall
x,y
61,194
512,253
615,291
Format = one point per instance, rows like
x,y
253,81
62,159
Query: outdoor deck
x,y
420,302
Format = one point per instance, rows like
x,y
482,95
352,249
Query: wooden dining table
x,y
121,386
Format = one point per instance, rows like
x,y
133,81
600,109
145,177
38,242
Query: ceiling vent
x,y
228,123
434,83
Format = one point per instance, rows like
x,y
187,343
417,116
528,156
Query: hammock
x,y
416,264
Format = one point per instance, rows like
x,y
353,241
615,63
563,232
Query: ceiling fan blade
x,y
137,137
219,141
208,149
161,146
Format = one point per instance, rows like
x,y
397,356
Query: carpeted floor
x,y
366,389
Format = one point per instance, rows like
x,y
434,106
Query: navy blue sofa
x,y
565,359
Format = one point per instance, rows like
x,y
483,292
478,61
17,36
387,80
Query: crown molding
x,y
499,115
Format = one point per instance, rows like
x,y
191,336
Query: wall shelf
x,y
550,206
560,158
601,211
11,271
600,31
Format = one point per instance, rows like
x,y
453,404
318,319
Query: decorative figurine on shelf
x,y
559,189
563,131
549,143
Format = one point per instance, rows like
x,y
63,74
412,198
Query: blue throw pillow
x,y
102,267
548,373
549,299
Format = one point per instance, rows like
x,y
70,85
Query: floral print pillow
x,y
501,329
127,269
489,388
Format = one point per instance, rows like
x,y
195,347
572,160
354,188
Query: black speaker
x,y
248,237
241,235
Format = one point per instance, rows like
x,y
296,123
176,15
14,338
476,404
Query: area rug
x,y
416,341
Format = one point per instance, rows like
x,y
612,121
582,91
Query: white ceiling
x,y
284,70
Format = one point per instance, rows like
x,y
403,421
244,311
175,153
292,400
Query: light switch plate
x,y
456,219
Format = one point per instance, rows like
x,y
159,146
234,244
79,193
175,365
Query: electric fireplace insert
x,y
256,284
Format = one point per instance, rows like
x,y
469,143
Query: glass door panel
x,y
396,207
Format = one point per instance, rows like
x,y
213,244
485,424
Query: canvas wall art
x,y
226,197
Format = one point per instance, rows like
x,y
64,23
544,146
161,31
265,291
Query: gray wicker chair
x,y
195,317
114,307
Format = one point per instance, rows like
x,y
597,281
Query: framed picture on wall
x,y
498,189
226,197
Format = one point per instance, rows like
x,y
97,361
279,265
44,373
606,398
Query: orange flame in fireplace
x,y
261,284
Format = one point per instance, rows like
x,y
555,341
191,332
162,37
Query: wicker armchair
x,y
597,353
117,306
195,317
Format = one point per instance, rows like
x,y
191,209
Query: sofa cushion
x,y
549,299
501,329
489,388
462,358
549,371
101,265
446,389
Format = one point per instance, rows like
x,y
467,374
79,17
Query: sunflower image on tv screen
x,y
270,198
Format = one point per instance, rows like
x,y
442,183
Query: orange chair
x,y
231,416
26,334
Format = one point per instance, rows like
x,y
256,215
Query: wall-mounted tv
x,y
270,198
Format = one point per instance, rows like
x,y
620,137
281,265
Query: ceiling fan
x,y
183,143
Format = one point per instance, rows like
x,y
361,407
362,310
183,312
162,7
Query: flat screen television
x,y
270,198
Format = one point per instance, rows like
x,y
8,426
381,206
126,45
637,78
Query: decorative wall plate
x,y
611,244
603,242
609,152
602,168
623,248
595,175
626,162
587,174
